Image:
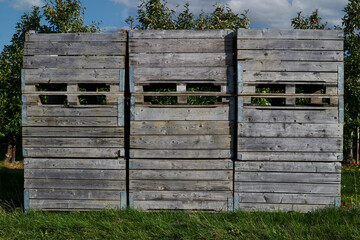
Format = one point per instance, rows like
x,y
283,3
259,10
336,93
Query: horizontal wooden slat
x,y
73,142
72,121
179,34
290,144
181,59
289,130
289,77
279,55
176,154
214,175
69,163
36,76
50,204
329,116
218,113
314,45
195,74
281,177
181,205
120,36
298,167
181,195
72,132
70,194
193,164
289,34
282,207
181,142
173,185
62,152
72,184
288,66
75,174
180,45
74,62
72,111
180,127
291,156
75,48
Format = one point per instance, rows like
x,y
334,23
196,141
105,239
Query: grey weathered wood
x,y
289,34
180,45
181,59
187,175
197,74
181,142
72,132
180,185
181,205
179,34
75,174
175,154
290,144
74,163
73,142
193,164
281,177
62,152
314,45
282,207
72,204
74,62
289,77
75,48
218,113
278,55
261,187
70,194
291,156
72,184
289,130
288,66
179,127
72,111
73,121
181,195
298,167
120,36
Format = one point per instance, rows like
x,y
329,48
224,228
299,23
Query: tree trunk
x,y
11,150
349,153
8,154
357,145
13,157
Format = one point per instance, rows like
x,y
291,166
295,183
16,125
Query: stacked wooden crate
x,y
290,119
180,154
73,121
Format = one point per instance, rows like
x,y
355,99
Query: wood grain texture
x,y
75,174
289,34
281,177
279,55
291,77
74,163
62,152
104,132
178,175
293,167
72,111
73,142
71,184
283,207
70,194
72,121
179,34
171,164
180,185
120,36
181,205
291,156
176,154
181,195
50,204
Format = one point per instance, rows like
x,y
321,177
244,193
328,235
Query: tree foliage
x,y
308,22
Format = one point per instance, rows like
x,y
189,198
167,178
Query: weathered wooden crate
x,y
289,152
73,121
180,154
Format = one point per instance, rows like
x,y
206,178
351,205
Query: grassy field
x,y
343,223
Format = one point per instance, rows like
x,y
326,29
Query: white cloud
x,y
129,3
26,4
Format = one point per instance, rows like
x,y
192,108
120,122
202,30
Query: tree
x,y
310,22
60,16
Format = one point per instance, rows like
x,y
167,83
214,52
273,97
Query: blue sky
x,y
112,13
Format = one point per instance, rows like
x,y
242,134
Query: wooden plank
x,y
72,204
181,205
213,113
193,164
291,156
73,132
181,195
172,185
36,76
278,55
281,198
70,194
180,127
73,62
182,34
329,116
72,111
289,130
73,142
75,174
288,66
187,175
303,188
77,163
181,142
293,77
290,144
289,34
181,59
75,48
282,207
280,44
180,45
176,154
78,184
120,36
197,74
73,152
73,121
281,177
299,167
